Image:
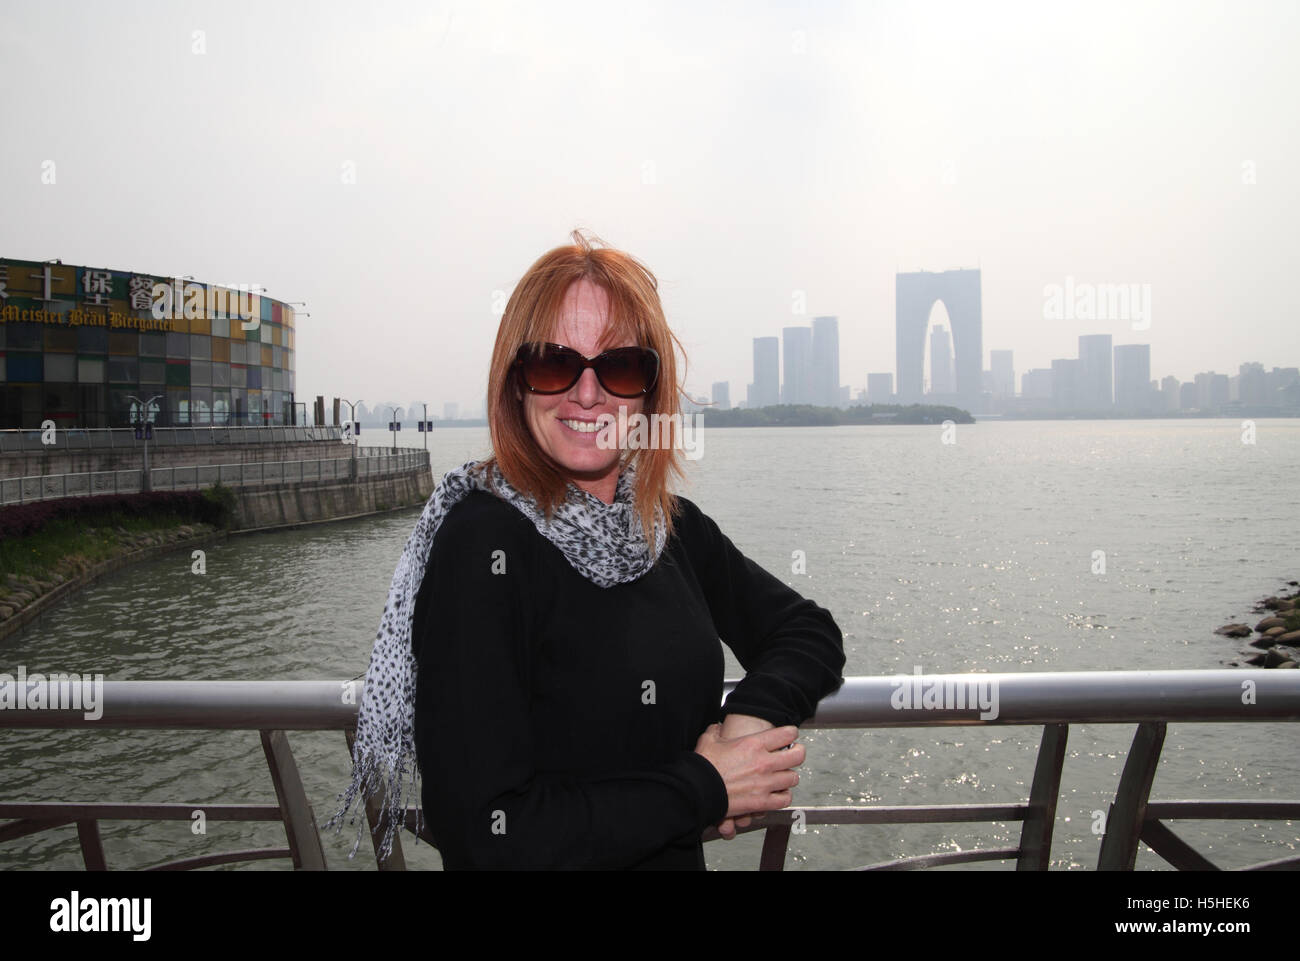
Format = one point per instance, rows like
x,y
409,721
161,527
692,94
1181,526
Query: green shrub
x,y
220,502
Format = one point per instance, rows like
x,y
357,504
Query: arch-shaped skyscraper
x,y
914,297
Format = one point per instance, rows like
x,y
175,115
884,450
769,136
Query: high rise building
x,y
1252,385
1169,393
1219,390
1278,380
1133,378
767,372
1036,384
1065,384
1212,390
880,388
825,386
797,386
1004,373
1095,381
914,297
721,395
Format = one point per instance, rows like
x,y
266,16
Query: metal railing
x,y
1149,699
22,490
113,438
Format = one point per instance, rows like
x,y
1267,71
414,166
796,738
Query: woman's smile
x,y
581,426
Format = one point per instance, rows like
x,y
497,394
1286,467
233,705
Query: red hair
x,y
635,315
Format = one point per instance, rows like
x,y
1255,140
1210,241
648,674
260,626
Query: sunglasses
x,y
553,369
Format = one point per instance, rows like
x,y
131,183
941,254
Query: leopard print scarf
x,y
604,542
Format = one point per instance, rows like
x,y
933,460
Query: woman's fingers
x,y
756,768
777,737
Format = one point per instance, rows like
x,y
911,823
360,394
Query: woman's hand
x,y
734,726
755,768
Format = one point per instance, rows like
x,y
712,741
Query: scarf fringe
x,y
371,776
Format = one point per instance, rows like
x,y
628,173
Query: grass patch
x,y
67,545
66,536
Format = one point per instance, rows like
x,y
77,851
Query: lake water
x,y
977,555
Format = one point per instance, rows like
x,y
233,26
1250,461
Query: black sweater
x,y
555,721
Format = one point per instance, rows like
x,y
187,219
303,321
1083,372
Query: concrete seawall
x,y
280,505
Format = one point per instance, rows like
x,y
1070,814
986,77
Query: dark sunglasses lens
x,y
627,372
551,371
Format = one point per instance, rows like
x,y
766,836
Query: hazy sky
x,y
743,151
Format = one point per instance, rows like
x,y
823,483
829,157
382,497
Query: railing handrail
x,y
1066,697
1053,700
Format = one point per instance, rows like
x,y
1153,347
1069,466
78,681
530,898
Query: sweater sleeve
x,y
791,649
486,802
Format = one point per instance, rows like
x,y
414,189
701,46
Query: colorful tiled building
x,y
89,347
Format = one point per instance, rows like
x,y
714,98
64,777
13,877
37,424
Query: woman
x,y
555,662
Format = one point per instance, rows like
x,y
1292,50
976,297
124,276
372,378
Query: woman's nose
x,y
587,391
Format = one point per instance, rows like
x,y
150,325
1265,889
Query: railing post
x,y
776,840
1036,831
1174,849
1124,820
92,848
299,819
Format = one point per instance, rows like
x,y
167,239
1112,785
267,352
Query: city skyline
x,y
772,357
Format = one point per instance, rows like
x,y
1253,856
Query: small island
x,y
806,415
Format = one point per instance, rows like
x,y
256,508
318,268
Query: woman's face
x,y
582,320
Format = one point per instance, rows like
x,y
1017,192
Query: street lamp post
x,y
394,426
354,431
146,431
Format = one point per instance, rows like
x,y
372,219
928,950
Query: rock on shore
x,y
1278,634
